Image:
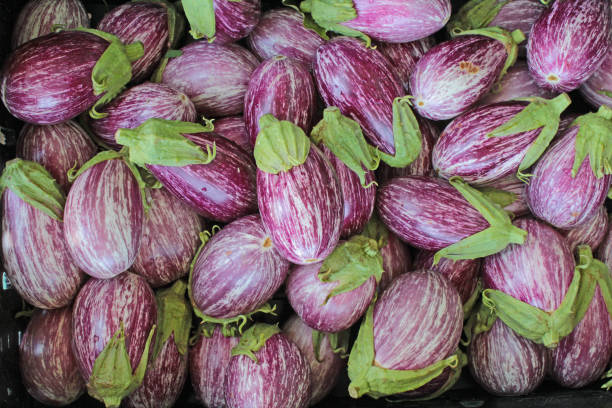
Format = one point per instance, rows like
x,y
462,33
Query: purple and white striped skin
x,y
222,190
358,201
38,17
234,129
399,21
208,361
567,119
48,367
214,76
103,219
464,149
604,252
57,147
282,32
504,363
48,80
557,198
234,20
518,14
568,43
396,260
284,88
237,271
35,255
403,57
426,212
307,294
325,372
462,274
302,209
100,308
359,81
455,74
145,22
600,81
169,241
280,378
591,233
512,184
134,106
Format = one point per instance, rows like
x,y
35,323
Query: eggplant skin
x,y
605,249
599,81
234,20
519,15
403,57
592,233
396,260
233,128
48,367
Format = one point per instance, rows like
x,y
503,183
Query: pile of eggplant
x,y
422,182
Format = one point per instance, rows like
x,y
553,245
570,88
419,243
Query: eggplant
x,y
214,76
169,239
596,89
267,370
104,218
234,20
281,32
283,88
38,17
57,147
403,57
604,253
237,271
591,233
112,318
568,43
234,129
516,189
48,367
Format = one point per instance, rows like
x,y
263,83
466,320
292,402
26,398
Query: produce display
x,y
267,203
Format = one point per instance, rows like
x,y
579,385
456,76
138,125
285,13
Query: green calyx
x,y
377,231
490,241
159,72
351,264
253,339
176,24
344,138
500,197
475,14
112,377
280,145
607,385
113,70
594,274
407,137
173,318
367,377
201,17
32,183
594,139
540,113
469,304
308,21
338,343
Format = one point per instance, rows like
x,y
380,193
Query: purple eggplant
x,y
169,239
516,188
518,14
591,233
214,76
568,43
208,361
604,252
112,318
281,32
325,363
234,129
597,90
38,17
103,218
48,367
283,88
57,147
404,56
267,370
234,20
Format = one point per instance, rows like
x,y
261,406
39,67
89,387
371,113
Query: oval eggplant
x,y
404,56
282,32
57,147
591,233
234,20
597,90
282,87
103,219
519,15
396,260
512,184
221,190
568,43
128,110
38,17
234,129
48,367
214,76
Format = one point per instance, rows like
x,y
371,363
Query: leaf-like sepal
x,y
475,14
329,14
254,339
201,17
173,317
594,139
407,137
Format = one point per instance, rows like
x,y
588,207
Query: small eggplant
x,y
404,56
221,21
591,233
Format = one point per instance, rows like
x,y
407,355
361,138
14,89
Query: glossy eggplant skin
x,y
48,368
234,20
591,233
396,260
568,43
403,57
222,190
593,88
233,128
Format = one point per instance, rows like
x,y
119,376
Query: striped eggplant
x,y
281,32
325,363
516,188
38,17
214,76
128,110
591,233
604,253
454,75
404,56
169,239
597,90
111,318
208,361
57,147
504,363
568,43
103,218
283,88
267,370
234,129
234,20
48,367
